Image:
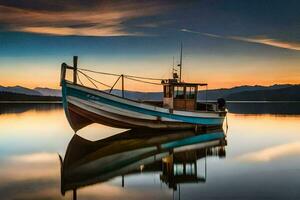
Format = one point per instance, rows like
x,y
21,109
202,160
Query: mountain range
x,y
283,92
38,91
231,93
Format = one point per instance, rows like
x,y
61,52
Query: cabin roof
x,y
176,83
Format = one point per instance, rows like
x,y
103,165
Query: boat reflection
x,y
174,154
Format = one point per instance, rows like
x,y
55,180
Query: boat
x,y
134,151
179,108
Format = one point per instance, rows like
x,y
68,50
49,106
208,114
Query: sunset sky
x,y
226,42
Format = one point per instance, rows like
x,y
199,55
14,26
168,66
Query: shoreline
x,y
54,102
208,101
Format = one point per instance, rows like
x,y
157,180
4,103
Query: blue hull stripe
x,y
188,119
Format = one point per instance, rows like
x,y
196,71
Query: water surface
x,y
260,160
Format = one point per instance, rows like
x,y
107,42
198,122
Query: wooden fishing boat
x,y
178,109
130,152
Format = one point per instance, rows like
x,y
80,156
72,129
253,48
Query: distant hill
x,y
240,93
48,91
225,92
38,91
287,92
10,96
20,90
291,93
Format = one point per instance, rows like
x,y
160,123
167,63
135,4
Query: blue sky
x,y
226,42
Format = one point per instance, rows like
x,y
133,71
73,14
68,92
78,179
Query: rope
x,y
133,79
114,84
140,77
86,76
88,70
96,80
79,80
125,75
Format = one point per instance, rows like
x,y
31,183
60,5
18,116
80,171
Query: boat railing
x,y
94,82
64,68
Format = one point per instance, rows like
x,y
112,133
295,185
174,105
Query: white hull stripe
x,y
124,119
141,105
202,118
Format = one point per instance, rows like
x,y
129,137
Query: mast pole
x,y
75,61
180,62
173,69
122,85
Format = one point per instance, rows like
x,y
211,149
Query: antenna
x,y
180,64
174,71
173,62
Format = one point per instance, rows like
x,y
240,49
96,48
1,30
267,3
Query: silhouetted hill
x,y
38,91
225,92
240,93
291,93
288,92
48,91
20,90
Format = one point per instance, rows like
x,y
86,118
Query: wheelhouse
x,y
180,95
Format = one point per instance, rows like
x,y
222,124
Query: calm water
x,y
261,159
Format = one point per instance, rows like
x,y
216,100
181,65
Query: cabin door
x,y
184,98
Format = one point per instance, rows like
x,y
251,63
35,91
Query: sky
x,y
226,43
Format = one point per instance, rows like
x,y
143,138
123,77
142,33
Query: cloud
x,y
108,20
270,42
36,158
259,40
204,34
156,24
272,153
91,31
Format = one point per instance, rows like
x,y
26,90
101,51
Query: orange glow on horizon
x,y
218,72
130,85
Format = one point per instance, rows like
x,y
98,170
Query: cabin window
x,y
190,92
178,92
170,91
167,91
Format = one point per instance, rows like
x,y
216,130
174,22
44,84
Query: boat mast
x,y
75,61
180,64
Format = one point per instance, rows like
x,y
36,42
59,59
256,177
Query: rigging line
x,y
114,84
112,74
133,79
79,80
88,70
147,78
95,80
86,76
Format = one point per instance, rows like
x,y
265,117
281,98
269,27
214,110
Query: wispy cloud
x,y
156,24
108,20
202,33
35,158
258,39
90,31
272,153
270,42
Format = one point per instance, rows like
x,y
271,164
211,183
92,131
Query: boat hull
x,y
84,106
